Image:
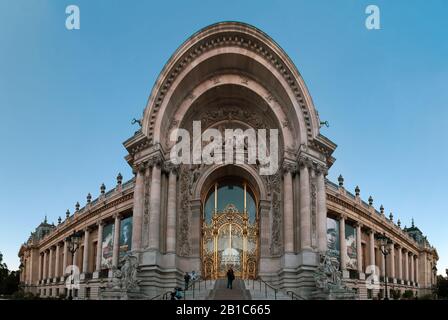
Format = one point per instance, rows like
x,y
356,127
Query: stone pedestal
x,y
333,294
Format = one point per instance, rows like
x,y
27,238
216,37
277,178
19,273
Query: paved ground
x,y
221,292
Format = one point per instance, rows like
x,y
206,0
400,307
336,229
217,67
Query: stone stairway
x,y
262,292
201,290
221,292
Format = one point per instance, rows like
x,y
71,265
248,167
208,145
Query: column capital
x,y
358,224
304,161
289,166
343,216
117,215
371,231
156,160
320,168
99,222
170,167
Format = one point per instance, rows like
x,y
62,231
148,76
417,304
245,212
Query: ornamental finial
x,y
370,200
382,209
77,206
67,214
59,220
412,223
357,191
103,188
391,217
89,197
119,179
341,180
399,223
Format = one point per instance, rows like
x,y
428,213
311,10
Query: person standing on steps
x,y
187,280
230,277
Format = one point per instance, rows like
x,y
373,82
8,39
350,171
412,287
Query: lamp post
x,y
73,242
385,250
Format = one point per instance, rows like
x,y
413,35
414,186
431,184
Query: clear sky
x,y
67,97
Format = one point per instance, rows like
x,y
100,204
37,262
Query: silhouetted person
x,y
230,277
187,280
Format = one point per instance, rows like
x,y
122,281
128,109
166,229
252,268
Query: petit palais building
x,y
289,235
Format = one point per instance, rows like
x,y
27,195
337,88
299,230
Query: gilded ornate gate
x,y
230,238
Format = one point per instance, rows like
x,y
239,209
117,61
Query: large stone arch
x,y
237,46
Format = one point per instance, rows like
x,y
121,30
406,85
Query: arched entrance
x,y
230,229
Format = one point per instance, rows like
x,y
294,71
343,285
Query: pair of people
x,y
187,277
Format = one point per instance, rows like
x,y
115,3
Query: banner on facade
x,y
350,242
125,236
333,245
107,246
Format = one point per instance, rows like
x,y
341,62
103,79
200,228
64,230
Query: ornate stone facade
x,y
229,75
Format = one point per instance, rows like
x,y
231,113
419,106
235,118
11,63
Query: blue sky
x,y
67,97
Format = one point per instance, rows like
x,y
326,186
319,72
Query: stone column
x,y
342,243
75,257
154,208
359,248
50,264
305,207
56,267
383,263
116,248
171,212
372,248
85,258
321,219
64,260
39,277
392,261
288,210
99,246
412,267
137,215
406,266
400,263
416,270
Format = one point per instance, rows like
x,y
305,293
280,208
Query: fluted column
x,y
288,221
383,264
305,208
416,270
64,260
154,208
406,266
171,212
99,246
359,248
50,264
85,258
343,251
116,248
56,266
372,248
392,261
321,219
137,215
412,267
40,267
400,263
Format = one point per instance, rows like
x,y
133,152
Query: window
x,y
369,294
75,293
87,293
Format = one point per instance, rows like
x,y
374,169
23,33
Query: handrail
x,y
191,286
266,285
294,296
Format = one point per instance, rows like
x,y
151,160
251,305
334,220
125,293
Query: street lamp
x,y
385,250
73,243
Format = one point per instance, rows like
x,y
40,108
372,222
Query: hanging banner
x,y
333,246
107,246
125,236
350,241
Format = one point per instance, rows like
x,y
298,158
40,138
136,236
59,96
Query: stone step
x,y
238,291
